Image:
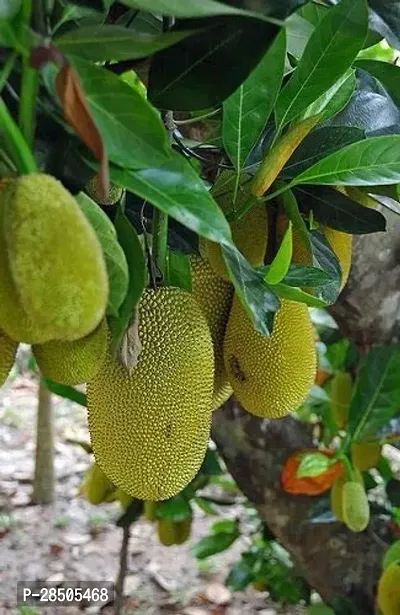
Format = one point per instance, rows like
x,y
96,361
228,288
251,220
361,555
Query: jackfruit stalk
x,y
8,350
389,590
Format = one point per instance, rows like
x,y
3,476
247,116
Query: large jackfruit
x,y
341,393
8,350
92,188
96,485
214,296
73,362
150,427
273,375
389,590
365,455
356,512
55,269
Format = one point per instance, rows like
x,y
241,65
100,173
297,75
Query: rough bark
x,y
335,561
43,483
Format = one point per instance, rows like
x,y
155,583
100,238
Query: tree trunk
x,y
43,483
335,561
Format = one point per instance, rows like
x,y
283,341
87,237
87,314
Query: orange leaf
x,y
314,485
79,116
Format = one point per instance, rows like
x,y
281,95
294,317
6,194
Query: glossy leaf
x,y
298,31
314,464
334,99
325,259
387,74
370,162
216,542
386,20
306,276
285,291
281,263
313,12
329,53
377,394
178,270
246,111
63,390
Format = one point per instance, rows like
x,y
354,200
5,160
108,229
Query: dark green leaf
x,y
246,111
117,267
387,74
334,99
306,277
189,8
314,464
336,210
297,294
281,262
211,465
377,395
298,31
216,543
104,43
176,509
330,51
324,258
374,161
386,20
384,468
97,5
132,514
206,506
320,609
180,76
66,391
393,492
313,12
240,576
178,270
338,354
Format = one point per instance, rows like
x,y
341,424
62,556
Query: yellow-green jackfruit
x,y
149,510
92,188
54,268
214,296
174,532
182,530
271,376
389,590
8,350
96,485
341,392
150,427
73,362
355,505
392,555
365,455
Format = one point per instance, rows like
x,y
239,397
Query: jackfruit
x,y
250,233
150,427
214,296
96,485
389,590
73,362
365,455
271,376
8,350
392,555
336,498
341,393
55,271
92,188
182,530
149,510
166,532
355,505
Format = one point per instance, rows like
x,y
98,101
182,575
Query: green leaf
x,y
246,111
297,294
240,576
130,242
117,267
314,464
9,8
176,509
366,163
387,74
298,31
377,394
178,270
220,540
206,506
177,190
62,390
301,276
320,609
108,42
324,258
189,8
131,128
281,263
334,99
211,465
226,525
329,53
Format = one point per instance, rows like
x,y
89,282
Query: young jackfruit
x,y
271,376
96,485
149,510
336,498
55,271
92,188
341,392
389,590
166,532
355,505
73,362
124,499
182,530
150,426
214,296
365,455
8,350
392,555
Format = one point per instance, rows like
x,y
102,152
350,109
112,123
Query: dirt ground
x,y
73,540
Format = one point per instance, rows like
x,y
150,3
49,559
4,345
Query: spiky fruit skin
x,y
96,485
389,590
166,532
392,555
336,498
271,376
8,350
75,362
92,189
150,427
355,504
341,392
55,261
249,234
365,455
214,295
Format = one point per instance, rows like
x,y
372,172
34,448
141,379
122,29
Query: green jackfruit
x,y
392,555
96,485
271,376
73,362
336,498
365,455
214,296
166,532
54,269
355,504
389,590
92,188
150,427
341,392
182,530
149,510
8,350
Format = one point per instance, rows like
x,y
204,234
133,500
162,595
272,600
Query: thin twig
x,y
123,568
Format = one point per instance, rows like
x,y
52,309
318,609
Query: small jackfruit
x,y
355,505
124,499
166,532
389,590
150,427
182,530
336,498
8,350
214,296
365,455
149,510
392,555
271,376
341,392
75,362
55,269
96,485
92,188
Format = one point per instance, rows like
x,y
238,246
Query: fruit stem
x,y
160,235
27,107
15,142
123,568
